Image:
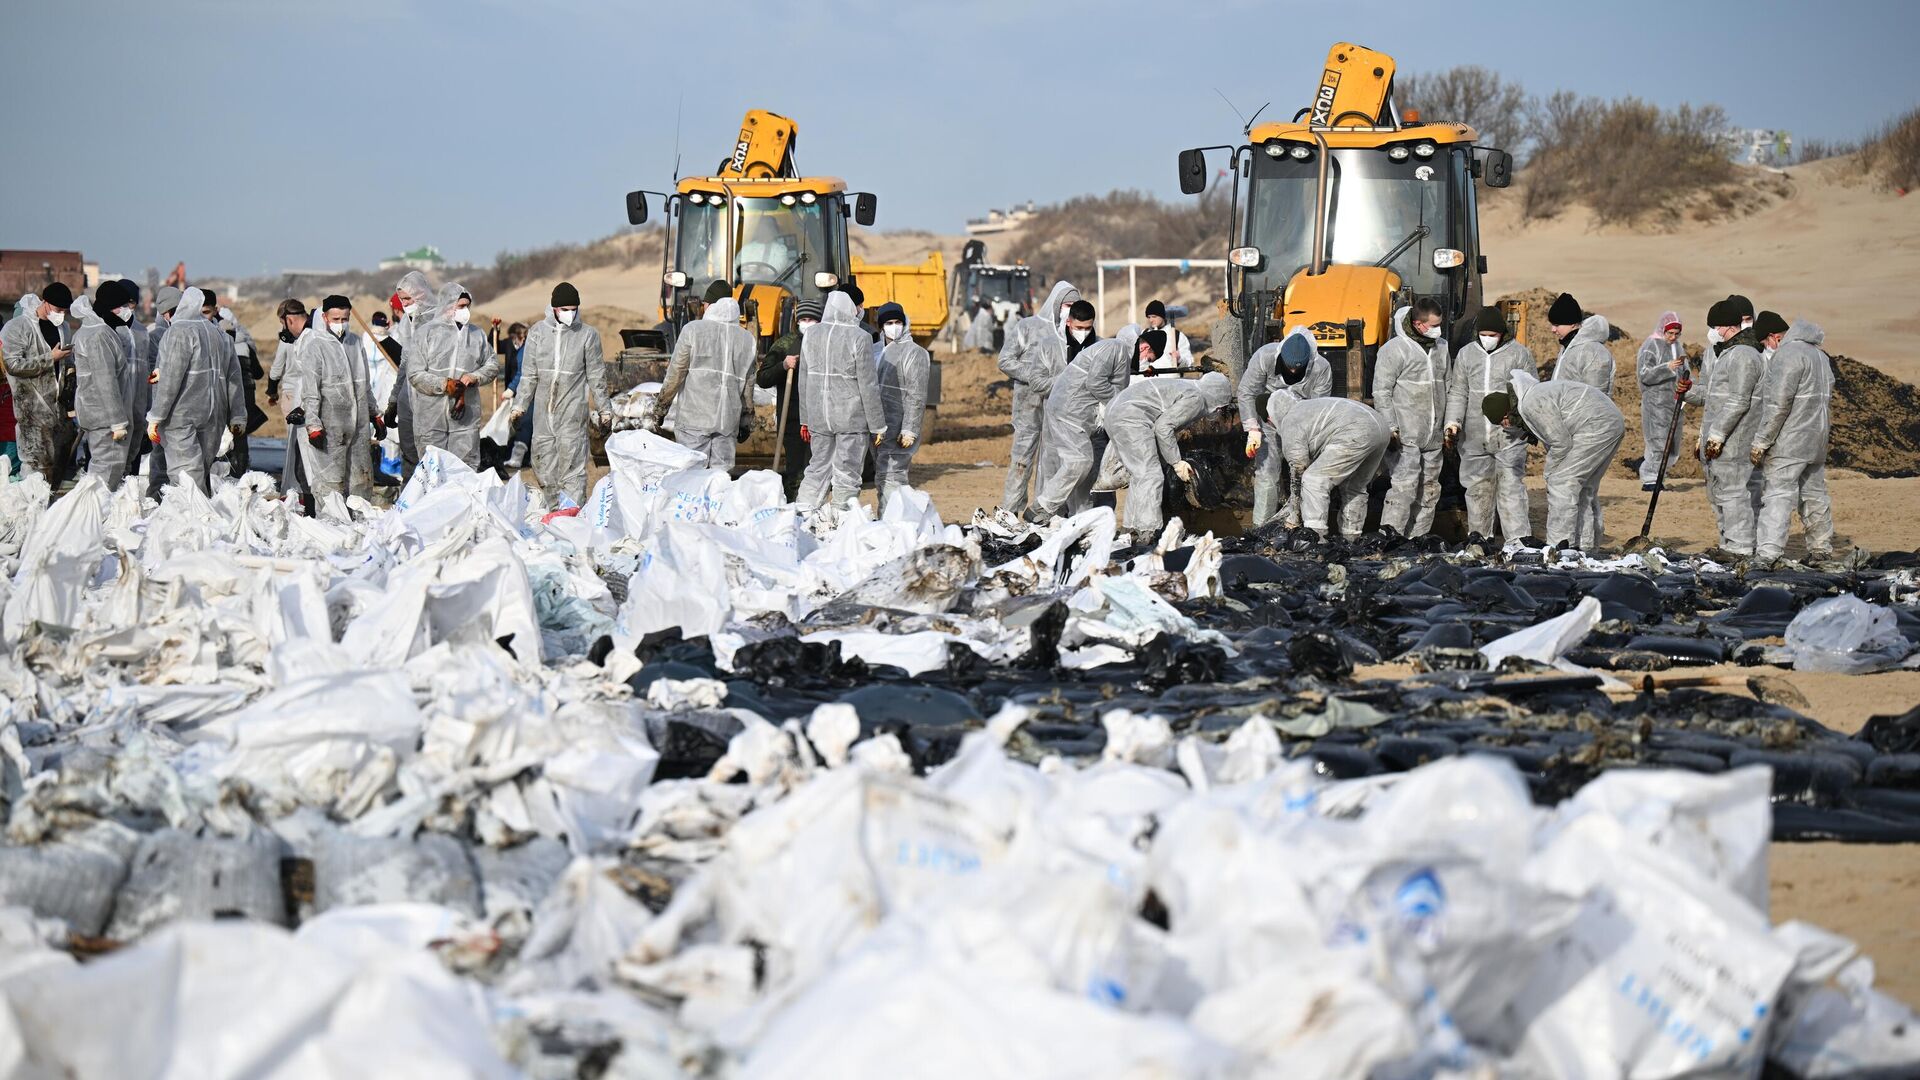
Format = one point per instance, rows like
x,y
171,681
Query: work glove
x,y
907,440
1452,433
273,391
238,430
153,377
507,394
744,430
1183,470
805,435
392,415
1757,455
1254,440
1712,452
153,434
515,415
379,427
1681,387
1393,439
879,437
317,438
296,416
452,386
119,432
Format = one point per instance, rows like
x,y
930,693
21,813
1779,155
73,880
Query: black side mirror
x,y
1193,172
864,205
1499,168
636,208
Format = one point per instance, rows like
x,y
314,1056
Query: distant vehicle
x,y
1008,288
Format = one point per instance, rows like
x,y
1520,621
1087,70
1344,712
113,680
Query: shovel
x,y
786,395
1641,543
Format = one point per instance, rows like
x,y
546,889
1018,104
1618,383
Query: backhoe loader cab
x,y
777,237
1350,212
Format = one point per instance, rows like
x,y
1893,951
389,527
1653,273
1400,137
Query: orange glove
x,y
805,435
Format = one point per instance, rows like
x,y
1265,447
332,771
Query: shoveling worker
x,y
284,384
453,359
1493,459
709,378
1790,446
1332,444
1661,363
1075,406
337,406
1581,429
1584,356
36,351
783,356
1727,391
563,384
840,409
1292,363
100,368
414,303
198,395
1144,422
1410,390
903,371
1179,352
1035,351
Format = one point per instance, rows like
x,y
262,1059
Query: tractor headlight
x,y
1244,257
1300,153
1448,258
1274,149
1424,150
788,200
1398,153
696,198
809,198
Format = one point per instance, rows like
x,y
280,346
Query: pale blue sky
x,y
246,136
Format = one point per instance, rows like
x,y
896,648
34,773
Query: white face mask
x,y
1081,335
807,324
1713,334
1431,332
379,333
337,329
894,331
1489,342
123,313
461,315
565,318
409,309
57,318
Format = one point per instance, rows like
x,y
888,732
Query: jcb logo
x,y
740,150
1323,100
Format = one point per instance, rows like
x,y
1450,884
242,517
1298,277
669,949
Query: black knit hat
x,y
1081,311
1497,405
1566,311
807,309
1723,314
1742,308
1155,307
129,291
1155,340
1490,321
564,295
720,289
1769,323
107,297
889,312
58,295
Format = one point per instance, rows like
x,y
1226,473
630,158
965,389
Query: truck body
x,y
920,289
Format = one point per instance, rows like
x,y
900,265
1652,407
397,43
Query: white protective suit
x,y
1581,429
711,379
1074,435
447,350
1729,389
903,371
336,399
840,403
1657,403
1794,429
1410,390
563,380
1034,352
1265,375
1144,422
1586,358
199,394
1331,444
1493,459
409,333
100,393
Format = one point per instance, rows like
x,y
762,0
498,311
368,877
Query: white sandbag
x,y
1721,826
73,879
430,869
61,555
176,876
